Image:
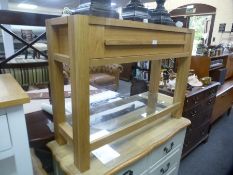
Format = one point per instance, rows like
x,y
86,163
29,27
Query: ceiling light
x,y
27,6
113,4
190,6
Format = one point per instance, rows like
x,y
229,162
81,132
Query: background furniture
x,y
128,71
156,123
106,76
198,109
28,36
211,66
28,72
229,66
14,148
25,72
224,100
205,66
201,65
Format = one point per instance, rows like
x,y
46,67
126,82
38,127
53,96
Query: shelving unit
x,y
84,41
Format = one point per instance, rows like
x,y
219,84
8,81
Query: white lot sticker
x,y
105,154
154,42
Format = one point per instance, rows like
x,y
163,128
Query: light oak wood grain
x,y
62,58
58,21
11,92
183,66
116,42
66,130
135,58
56,82
155,76
133,24
78,45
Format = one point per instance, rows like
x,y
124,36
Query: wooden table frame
x,y
83,41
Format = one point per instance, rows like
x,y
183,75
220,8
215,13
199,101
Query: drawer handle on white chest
x,y
129,172
164,170
168,150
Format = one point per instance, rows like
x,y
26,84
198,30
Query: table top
x,y
11,92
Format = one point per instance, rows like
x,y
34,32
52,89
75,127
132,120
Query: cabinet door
x,y
5,141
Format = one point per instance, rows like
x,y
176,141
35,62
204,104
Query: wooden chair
x,y
28,36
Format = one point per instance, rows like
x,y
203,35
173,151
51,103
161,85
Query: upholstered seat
x,y
102,76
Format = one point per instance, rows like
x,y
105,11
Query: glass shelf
x,y
109,117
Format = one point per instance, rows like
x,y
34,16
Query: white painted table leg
x,y
19,138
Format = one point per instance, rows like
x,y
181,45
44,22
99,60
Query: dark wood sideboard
x,y
198,107
224,100
224,97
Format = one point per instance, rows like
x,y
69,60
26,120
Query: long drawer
x,y
198,116
197,99
5,140
167,148
166,165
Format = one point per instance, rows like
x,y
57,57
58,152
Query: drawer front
x,y
166,165
174,171
137,168
208,103
222,104
5,141
122,42
193,100
167,148
211,92
198,116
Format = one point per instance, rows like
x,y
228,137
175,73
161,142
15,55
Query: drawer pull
x,y
164,170
210,101
168,150
194,113
129,172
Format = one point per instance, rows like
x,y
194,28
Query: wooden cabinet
x,y
229,66
205,66
198,108
224,100
201,65
150,119
14,148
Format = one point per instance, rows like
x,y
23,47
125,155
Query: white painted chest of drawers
x,y
15,156
163,160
